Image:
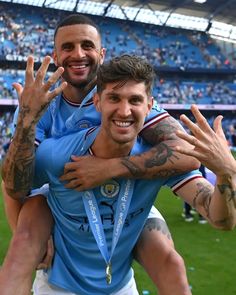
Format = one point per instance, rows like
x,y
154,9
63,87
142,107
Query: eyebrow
x,y
140,96
66,43
112,92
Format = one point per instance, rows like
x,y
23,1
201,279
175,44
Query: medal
x,y
95,221
108,273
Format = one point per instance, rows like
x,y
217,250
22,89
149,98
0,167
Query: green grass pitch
x,y
209,254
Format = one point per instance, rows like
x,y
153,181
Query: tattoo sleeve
x,y
219,205
203,197
18,167
162,131
161,160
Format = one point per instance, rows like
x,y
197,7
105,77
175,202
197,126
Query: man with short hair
x,y
78,49
93,254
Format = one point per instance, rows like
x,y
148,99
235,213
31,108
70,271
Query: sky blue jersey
x,y
78,265
63,117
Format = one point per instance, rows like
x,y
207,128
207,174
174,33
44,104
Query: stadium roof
x,y
217,10
217,17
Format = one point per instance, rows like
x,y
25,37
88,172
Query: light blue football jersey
x,y
78,265
80,268
63,117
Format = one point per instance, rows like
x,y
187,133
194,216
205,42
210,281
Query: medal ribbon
x,y
92,210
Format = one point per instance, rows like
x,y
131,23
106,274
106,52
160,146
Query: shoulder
x,y
156,115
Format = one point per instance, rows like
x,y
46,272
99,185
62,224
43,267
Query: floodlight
x,y
200,1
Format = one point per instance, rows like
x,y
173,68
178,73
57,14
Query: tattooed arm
x,y
18,167
217,204
160,161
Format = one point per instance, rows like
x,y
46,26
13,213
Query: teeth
x,y
123,124
79,67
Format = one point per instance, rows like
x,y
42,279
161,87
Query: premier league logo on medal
x,y
110,189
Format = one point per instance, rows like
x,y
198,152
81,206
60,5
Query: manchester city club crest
x,y
84,124
110,188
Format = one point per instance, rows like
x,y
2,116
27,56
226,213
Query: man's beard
x,y
91,77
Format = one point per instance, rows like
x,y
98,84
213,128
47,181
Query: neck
x,y
77,94
104,147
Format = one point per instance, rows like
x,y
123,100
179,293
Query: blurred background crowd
x,y
191,67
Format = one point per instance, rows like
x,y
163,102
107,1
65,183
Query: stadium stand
x,y
190,67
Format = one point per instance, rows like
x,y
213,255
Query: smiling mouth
x,y
123,124
78,67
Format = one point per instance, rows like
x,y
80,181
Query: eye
x,y
88,45
113,98
67,46
136,100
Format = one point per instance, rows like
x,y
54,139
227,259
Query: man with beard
x,y
98,260
78,50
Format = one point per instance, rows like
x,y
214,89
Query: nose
x,y
124,109
78,51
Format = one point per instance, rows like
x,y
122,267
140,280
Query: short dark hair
x,y
123,68
76,19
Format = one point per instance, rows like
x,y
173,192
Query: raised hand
x,y
35,96
209,145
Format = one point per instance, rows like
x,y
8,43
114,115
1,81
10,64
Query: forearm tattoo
x,y
135,170
157,224
203,197
160,160
160,155
18,166
226,189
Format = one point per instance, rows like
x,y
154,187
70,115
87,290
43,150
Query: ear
x,y
102,55
150,104
54,56
96,101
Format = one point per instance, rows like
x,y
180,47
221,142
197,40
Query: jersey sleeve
x,y
156,115
42,160
43,128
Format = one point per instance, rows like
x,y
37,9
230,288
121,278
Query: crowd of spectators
x,y
5,132
188,92
165,91
28,30
7,77
229,127
228,124
170,47
23,31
